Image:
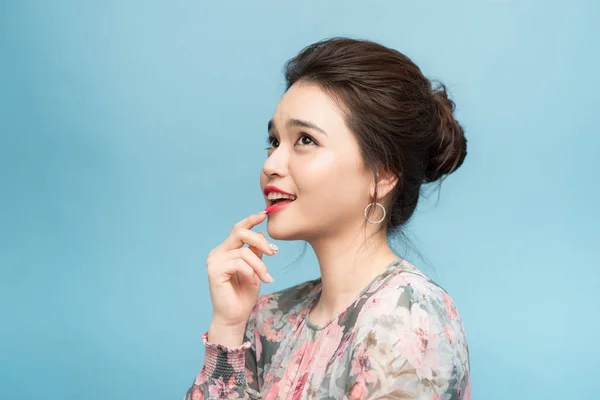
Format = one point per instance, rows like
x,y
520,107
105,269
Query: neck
x,y
348,264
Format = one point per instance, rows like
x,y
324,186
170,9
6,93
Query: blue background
x,y
132,137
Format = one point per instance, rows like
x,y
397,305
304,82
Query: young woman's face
x,y
314,156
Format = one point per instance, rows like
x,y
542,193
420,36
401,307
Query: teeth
x,y
276,196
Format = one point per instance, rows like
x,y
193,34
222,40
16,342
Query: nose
x,y
276,163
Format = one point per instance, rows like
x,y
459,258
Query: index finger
x,y
250,221
232,241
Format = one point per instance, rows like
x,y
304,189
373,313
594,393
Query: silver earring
x,y
367,209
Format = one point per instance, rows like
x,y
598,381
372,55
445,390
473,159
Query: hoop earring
x,y
367,209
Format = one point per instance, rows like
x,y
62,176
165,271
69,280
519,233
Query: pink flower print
x,y
413,339
361,366
327,344
273,393
232,382
197,394
249,376
420,325
449,333
258,344
418,339
201,378
268,379
373,287
371,304
357,391
467,395
342,348
287,384
295,359
303,312
264,300
292,368
223,390
297,394
434,363
449,306
293,319
430,367
271,334
421,340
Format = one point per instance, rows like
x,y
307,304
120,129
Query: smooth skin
x,y
315,156
234,275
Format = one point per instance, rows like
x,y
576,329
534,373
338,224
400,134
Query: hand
x,y
235,272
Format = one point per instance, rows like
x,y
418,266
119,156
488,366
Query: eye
x,y
305,136
271,140
304,139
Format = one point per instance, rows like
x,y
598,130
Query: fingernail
x,y
262,212
270,278
255,280
273,247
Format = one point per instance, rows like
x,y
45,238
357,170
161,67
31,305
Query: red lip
x,y
270,188
280,205
276,207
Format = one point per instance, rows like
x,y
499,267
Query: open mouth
x,y
277,201
278,204
275,198
280,201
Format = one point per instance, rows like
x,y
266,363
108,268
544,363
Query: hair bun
x,y
450,145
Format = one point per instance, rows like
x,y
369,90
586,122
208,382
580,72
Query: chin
x,y
281,231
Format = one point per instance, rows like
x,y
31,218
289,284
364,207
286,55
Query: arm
x,y
229,372
407,354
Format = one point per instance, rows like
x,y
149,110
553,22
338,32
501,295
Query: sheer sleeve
x,y
403,356
228,373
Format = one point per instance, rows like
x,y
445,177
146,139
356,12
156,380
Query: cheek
x,y
328,179
314,172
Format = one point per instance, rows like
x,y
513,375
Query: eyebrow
x,y
298,123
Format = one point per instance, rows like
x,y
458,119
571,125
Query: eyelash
x,y
270,140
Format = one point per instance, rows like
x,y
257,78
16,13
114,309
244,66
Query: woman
x,y
357,132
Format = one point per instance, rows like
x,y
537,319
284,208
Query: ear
x,y
387,182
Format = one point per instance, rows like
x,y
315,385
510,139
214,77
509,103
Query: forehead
x,y
307,101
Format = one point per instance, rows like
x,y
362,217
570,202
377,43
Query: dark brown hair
x,y
404,124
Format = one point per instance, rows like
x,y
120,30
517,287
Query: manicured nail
x,y
273,247
262,212
270,278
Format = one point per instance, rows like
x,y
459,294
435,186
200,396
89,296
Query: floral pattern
x,y
402,338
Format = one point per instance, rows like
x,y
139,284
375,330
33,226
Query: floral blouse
x,y
401,338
